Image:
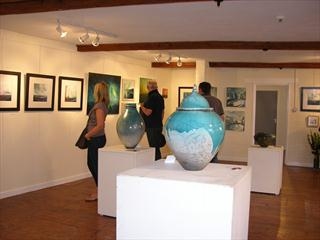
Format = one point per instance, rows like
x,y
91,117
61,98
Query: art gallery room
x,y
262,60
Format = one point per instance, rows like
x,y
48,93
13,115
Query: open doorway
x,y
271,112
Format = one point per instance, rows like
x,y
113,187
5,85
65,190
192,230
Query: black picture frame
x,y
70,93
310,99
183,92
10,83
40,90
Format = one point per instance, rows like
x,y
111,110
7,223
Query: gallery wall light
x,y
179,62
60,30
83,38
169,59
96,41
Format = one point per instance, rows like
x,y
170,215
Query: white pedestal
x,y
112,160
164,201
266,166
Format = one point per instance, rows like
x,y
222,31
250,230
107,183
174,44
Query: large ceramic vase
x,y
130,126
194,132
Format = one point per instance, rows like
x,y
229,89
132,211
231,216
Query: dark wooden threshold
x,y
33,6
173,65
233,45
263,65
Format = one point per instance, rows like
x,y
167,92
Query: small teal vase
x,y
194,132
130,126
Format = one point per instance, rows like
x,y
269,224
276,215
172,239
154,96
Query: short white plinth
x,y
112,160
164,201
267,165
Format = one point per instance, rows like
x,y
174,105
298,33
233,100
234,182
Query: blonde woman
x,y
96,131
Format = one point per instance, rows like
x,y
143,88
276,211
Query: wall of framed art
x,y
45,138
293,130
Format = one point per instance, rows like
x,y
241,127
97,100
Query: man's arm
x,y
145,110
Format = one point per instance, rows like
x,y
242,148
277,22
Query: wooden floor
x,y
61,213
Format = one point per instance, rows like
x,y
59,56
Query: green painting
x,y
143,89
113,83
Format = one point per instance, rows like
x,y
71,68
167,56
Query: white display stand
x,y
112,160
267,164
164,201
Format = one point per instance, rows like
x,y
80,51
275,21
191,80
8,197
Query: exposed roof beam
x,y
173,65
253,45
33,6
263,65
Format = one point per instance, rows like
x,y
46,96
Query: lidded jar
x,y
194,132
130,126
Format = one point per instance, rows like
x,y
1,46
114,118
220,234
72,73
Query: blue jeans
x,y
92,155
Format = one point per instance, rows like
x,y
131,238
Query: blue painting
x,y
113,83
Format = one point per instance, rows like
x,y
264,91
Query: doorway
x,y
266,112
271,111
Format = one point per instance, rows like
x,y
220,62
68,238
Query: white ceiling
x,y
245,20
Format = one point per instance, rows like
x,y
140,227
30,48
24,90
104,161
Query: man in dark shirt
x,y
215,103
152,111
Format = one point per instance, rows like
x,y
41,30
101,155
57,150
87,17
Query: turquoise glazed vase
x,y
130,126
194,132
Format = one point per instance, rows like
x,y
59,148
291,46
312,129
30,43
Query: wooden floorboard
x,y
61,213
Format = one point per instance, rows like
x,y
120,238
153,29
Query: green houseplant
x,y
314,142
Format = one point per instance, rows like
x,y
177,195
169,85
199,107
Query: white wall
x,y
37,148
235,145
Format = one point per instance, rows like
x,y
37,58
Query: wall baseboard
x,y
232,158
298,164
39,186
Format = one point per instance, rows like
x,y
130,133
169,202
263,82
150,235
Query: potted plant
x,y
314,141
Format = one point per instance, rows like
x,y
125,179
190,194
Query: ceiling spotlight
x,y
157,58
95,42
59,29
169,59
84,37
179,62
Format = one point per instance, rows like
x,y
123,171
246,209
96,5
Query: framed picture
x,y
310,99
165,92
143,89
128,89
10,90
39,92
235,121
236,97
313,121
183,92
113,83
70,93
214,91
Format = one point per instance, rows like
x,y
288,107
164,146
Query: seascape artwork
x,y
236,97
128,89
5,90
235,121
70,93
40,92
113,83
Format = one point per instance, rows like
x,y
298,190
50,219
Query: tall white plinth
x,y
267,165
164,201
113,160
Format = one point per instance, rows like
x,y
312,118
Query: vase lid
x,y
194,100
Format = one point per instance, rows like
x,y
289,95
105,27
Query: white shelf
x,y
113,160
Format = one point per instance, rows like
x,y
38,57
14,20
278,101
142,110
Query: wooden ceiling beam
x,y
173,65
32,6
264,65
233,45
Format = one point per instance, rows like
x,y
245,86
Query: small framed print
x,y
310,99
70,93
10,90
183,92
39,92
128,89
313,121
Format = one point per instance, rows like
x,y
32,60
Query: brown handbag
x,y
82,141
